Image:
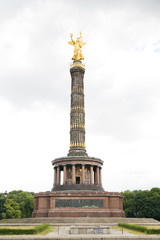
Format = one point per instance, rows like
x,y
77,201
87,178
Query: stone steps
x,y
81,221
77,187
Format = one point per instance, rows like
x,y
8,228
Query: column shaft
x,y
100,176
73,175
77,116
83,174
55,177
58,175
97,175
64,174
91,175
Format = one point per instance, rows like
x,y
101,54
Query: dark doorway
x,y
77,180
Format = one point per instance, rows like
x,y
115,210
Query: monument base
x,y
78,204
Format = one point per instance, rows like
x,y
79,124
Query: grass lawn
x,y
44,232
17,227
129,231
137,232
47,230
156,226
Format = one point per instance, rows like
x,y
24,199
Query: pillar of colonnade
x,y
95,176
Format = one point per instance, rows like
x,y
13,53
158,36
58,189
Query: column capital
x,y
83,164
64,165
73,164
97,166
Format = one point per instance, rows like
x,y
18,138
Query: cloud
x,y
31,59
34,43
121,82
125,98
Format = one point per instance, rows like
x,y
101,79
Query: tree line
x,y
142,204
17,204
136,204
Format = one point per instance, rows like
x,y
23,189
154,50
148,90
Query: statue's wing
x,y
83,44
70,42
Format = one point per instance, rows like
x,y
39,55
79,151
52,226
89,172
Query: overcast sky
x,y
122,89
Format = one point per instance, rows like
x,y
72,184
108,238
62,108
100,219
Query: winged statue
x,y
78,44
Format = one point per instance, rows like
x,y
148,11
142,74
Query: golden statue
x,y
78,44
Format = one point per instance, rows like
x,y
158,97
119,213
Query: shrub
x,y
153,231
8,231
140,228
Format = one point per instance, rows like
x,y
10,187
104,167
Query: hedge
x,y
35,230
41,227
140,228
153,231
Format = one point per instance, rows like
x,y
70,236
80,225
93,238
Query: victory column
x,y
77,188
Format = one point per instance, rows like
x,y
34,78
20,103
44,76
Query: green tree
x,y
142,204
12,209
129,203
154,203
2,201
25,201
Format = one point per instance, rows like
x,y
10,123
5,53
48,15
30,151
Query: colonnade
x,y
95,174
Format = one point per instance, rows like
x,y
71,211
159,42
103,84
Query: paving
x,y
62,232
62,226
